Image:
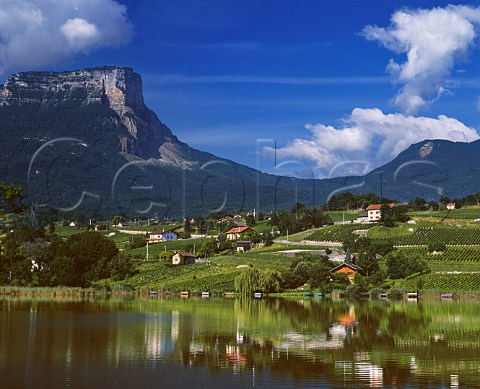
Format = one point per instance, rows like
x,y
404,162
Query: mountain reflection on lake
x,y
235,343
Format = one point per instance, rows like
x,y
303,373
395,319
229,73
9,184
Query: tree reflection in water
x,y
329,343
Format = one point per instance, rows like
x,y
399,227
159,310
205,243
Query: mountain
x,y
84,141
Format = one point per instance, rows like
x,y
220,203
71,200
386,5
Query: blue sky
x,y
341,86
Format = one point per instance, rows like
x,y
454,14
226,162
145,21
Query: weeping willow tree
x,y
251,280
248,281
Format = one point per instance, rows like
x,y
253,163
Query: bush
x,y
395,294
355,291
375,292
401,264
436,246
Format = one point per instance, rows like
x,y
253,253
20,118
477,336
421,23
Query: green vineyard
x,y
466,254
444,282
459,236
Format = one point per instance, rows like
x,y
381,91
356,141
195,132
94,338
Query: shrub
x,y
355,291
375,292
436,246
395,294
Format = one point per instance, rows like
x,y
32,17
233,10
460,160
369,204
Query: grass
x,y
299,236
154,250
391,232
262,227
339,216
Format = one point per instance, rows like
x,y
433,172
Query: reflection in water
x,y
239,343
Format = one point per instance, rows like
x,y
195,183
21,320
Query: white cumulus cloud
x,y
368,139
434,41
80,33
39,33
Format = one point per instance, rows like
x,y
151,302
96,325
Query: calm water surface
x,y
231,343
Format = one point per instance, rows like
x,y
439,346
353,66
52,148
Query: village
x,y
381,247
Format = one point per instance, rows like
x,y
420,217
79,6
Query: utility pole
x,y
381,187
147,250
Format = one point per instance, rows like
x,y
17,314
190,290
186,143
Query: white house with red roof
x,y
236,233
374,211
451,206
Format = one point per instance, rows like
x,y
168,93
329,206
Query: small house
x,y
162,236
451,206
236,233
183,257
75,223
374,211
349,269
122,224
243,245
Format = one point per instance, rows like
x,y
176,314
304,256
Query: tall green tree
x,y
87,255
248,281
401,264
11,198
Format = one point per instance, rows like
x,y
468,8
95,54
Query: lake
x,y
234,343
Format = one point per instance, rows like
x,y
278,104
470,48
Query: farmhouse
x,y
374,211
347,268
162,236
451,206
240,232
184,257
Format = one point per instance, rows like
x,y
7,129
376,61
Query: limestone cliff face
x,y
118,87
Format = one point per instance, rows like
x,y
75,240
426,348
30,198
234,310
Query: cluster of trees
x,y
33,257
398,263
314,270
390,216
299,218
349,201
471,199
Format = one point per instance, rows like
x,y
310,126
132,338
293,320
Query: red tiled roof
x,y
376,207
239,230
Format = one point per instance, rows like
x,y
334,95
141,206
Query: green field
x,y
340,216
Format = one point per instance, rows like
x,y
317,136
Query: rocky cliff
x,y
118,87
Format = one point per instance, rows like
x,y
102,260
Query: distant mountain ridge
x,y
84,141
